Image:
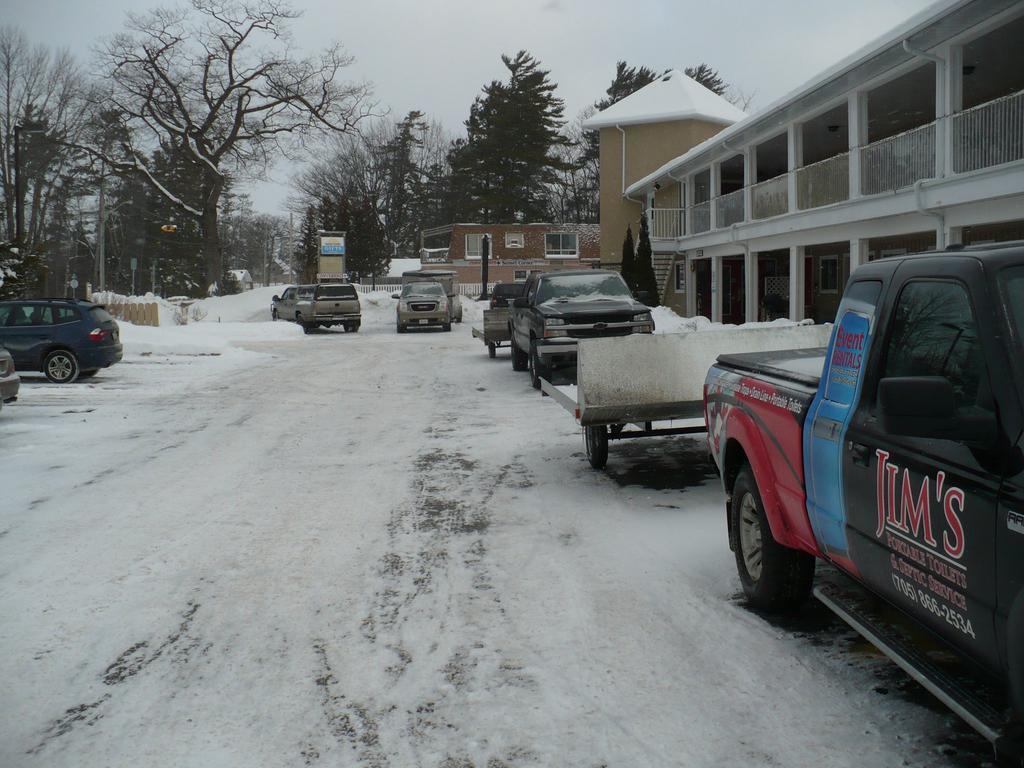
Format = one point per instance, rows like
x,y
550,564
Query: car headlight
x,y
643,317
552,321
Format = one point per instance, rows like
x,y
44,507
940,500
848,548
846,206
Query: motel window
x,y
560,245
828,274
514,239
520,275
475,245
681,277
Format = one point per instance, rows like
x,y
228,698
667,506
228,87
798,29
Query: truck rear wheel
x,y
596,441
492,352
519,359
775,578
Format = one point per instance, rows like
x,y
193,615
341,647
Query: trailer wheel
x,y
774,578
520,361
596,441
492,352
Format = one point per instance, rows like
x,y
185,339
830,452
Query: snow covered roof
x,y
673,96
241,275
924,30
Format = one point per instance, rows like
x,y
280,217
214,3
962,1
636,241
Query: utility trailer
x,y
495,332
653,385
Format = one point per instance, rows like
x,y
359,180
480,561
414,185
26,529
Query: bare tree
x,y
218,83
45,91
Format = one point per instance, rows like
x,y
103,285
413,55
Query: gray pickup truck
x,y
319,306
560,308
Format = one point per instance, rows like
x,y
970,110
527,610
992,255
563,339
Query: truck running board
x,y
977,702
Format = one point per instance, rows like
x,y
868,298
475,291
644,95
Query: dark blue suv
x,y
63,338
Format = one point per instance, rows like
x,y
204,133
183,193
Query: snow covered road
x,y
378,550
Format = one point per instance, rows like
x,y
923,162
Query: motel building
x,y
912,143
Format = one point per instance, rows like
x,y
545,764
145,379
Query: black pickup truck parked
x,y
559,308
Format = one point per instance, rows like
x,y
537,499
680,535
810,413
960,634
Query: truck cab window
x,y
934,334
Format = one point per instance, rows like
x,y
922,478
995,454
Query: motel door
x,y
733,304
702,277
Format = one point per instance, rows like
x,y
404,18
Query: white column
x,y
795,152
749,176
688,205
954,236
858,252
796,282
952,102
750,286
857,120
691,288
716,289
716,190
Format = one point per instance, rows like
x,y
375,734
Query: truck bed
x,y
796,366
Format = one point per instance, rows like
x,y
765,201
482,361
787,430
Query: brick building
x,y
516,249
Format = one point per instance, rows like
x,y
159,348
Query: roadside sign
x,y
135,263
332,245
74,282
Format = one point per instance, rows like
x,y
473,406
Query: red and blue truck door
x,y
921,511
829,415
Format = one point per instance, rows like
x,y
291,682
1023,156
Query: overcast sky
x,y
435,55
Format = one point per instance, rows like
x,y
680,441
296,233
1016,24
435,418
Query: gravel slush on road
x,y
248,547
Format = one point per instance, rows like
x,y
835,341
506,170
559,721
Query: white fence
x,y
770,198
667,223
989,134
729,209
824,182
898,161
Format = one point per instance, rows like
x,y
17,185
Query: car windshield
x,y
423,289
1012,284
336,292
582,287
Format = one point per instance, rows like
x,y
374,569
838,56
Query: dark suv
x,y
63,338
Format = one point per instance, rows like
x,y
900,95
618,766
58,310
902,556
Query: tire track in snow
x,y
429,623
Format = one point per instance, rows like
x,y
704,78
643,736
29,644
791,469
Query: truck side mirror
x,y
396,295
925,406
275,298
521,303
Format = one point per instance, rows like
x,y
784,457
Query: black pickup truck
x,y
559,308
896,456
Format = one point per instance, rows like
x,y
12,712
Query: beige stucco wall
x,y
648,147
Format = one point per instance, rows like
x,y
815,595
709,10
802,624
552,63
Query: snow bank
x,y
203,338
240,308
667,321
398,266
167,311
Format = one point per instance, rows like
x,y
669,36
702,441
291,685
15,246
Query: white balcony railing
x,y
700,217
989,134
770,198
824,182
667,223
729,209
898,161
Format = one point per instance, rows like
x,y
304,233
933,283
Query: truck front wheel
x,y
519,359
775,578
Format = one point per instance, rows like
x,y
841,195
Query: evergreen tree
x,y
509,156
21,273
627,80
707,77
644,270
307,252
628,268
367,247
